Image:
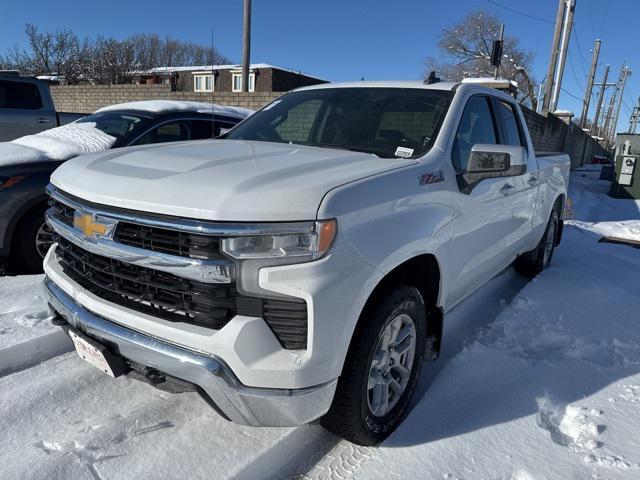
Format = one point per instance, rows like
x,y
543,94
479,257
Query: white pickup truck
x,y
301,268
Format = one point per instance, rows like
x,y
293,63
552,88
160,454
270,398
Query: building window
x,y
203,83
236,82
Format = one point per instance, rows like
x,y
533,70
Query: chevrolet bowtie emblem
x,y
88,225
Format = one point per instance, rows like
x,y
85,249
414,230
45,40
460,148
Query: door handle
x,y
507,189
44,120
532,181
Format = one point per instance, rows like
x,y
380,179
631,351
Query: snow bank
x,y
56,144
157,106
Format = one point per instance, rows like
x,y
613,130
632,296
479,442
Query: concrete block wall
x,y
89,98
550,134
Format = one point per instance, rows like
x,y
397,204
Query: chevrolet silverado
x,y
301,267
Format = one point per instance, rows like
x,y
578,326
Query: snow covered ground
x,y
538,380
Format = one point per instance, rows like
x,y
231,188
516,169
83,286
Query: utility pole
x,y
635,116
592,74
626,72
555,46
608,118
603,86
246,45
496,53
562,55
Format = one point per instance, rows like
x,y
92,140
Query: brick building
x,y
226,78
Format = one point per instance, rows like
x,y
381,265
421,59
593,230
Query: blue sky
x,y
350,39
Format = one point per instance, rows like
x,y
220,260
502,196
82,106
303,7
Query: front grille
x,y
62,211
149,291
173,298
173,242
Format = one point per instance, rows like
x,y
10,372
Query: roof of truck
x,y
384,84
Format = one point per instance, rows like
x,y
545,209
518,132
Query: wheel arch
x,y
422,272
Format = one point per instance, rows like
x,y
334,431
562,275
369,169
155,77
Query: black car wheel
x,y
31,242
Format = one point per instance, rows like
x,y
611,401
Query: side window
x,y
23,96
476,126
201,129
510,125
168,132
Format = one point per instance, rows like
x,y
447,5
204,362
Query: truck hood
x,y
224,180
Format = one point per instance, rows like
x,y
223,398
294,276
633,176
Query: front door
x,y
484,211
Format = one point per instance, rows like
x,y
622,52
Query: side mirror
x,y
492,161
496,160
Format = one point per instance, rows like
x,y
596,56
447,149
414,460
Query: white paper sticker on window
x,y
404,152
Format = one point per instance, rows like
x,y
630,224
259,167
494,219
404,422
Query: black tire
x,y
535,261
25,257
350,415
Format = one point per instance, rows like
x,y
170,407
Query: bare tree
x,y
465,49
102,60
112,61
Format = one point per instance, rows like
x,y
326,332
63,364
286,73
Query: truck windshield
x,y
114,123
388,122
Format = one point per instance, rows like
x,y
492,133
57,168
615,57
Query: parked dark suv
x,y
24,237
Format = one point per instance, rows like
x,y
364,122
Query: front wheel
x,y
381,371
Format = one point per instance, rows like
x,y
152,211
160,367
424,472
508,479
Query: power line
x,y
593,29
604,17
520,13
570,94
573,71
584,70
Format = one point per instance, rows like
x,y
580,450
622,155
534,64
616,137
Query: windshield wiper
x,y
339,147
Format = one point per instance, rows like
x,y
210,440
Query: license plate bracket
x,y
96,354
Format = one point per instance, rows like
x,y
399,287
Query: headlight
x,y
298,247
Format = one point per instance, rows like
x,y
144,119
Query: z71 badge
x,y
433,177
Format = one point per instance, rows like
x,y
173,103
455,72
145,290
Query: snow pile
x,y
600,214
158,106
24,313
11,153
56,144
27,336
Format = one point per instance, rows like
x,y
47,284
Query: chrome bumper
x,y
241,404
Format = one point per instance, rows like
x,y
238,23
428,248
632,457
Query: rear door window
x,y
19,95
510,125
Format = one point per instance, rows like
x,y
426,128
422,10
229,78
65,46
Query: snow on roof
x,y
491,82
209,68
157,106
563,113
52,78
56,144
383,84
